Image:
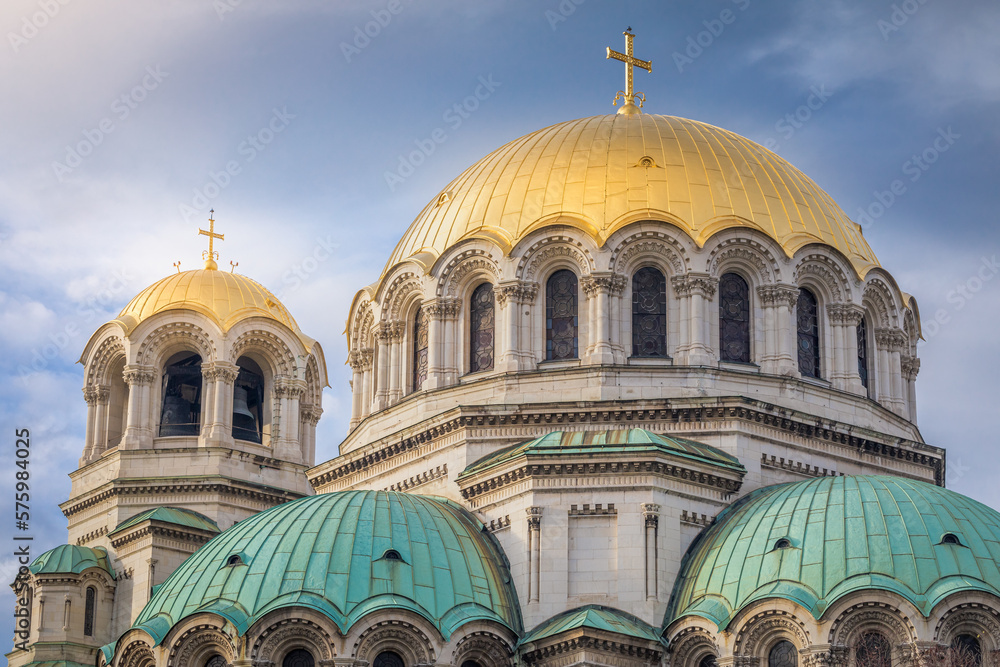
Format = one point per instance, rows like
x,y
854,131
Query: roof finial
x,y
177,265
627,96
211,254
234,265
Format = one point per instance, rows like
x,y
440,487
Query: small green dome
x,y
71,559
345,555
813,542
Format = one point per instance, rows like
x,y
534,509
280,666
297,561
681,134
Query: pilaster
x,y
778,301
696,292
844,319
600,288
216,429
515,350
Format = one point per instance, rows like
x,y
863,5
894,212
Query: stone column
x,y
651,517
891,343
778,301
910,367
383,336
217,415
101,420
90,396
396,331
310,415
138,429
365,355
698,292
357,388
600,288
534,552
510,297
844,319
288,390
435,312
450,363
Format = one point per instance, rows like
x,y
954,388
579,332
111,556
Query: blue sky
x,y
120,119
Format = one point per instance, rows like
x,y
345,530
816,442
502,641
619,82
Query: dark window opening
x,y
181,387
234,560
966,651
561,321
248,402
783,654
649,313
950,538
783,543
388,659
216,661
807,316
872,650
392,554
708,661
482,323
89,612
863,352
734,319
298,658
420,347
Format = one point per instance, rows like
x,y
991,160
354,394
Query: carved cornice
x,y
778,294
515,291
421,479
585,643
193,535
845,314
701,284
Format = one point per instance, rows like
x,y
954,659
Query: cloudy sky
x,y
119,120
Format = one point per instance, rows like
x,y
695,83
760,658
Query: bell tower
x,y
203,397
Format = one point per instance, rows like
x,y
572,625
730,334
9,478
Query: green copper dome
x,y
813,542
71,559
345,555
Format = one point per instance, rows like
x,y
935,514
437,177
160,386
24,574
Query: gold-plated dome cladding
x,y
226,297
585,173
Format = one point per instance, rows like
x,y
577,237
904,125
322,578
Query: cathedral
x,y
631,391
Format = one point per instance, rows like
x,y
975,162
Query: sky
x,y
123,123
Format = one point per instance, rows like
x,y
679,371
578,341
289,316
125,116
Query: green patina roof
x,y
845,533
71,559
327,552
175,515
56,663
633,440
593,616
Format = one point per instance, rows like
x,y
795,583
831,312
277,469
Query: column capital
x,y
220,371
778,294
534,517
702,284
847,314
139,375
910,366
515,291
442,308
651,514
606,282
97,394
310,413
289,387
892,339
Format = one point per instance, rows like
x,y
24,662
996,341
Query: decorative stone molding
x,y
196,644
534,518
273,348
650,244
879,295
613,653
97,395
310,414
798,467
651,515
910,366
108,351
696,519
486,648
547,249
135,376
757,631
834,656
439,472
689,284
891,339
405,639
607,283
747,251
136,654
971,618
690,646
191,335
845,314
285,387
778,294
499,524
291,633
515,291
824,271
863,617
220,370
469,262
442,308
596,510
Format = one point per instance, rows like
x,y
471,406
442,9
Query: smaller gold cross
x,y
211,254
627,96
177,265
234,265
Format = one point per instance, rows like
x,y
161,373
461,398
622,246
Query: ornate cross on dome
x,y
628,97
211,254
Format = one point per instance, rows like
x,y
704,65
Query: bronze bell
x,y
244,423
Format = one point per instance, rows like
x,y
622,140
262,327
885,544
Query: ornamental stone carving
x,y
974,619
225,372
690,646
607,283
191,335
271,346
293,633
455,277
891,339
778,294
845,314
534,518
744,251
97,395
862,618
515,291
701,284
660,246
826,272
195,645
758,629
398,636
651,514
485,648
541,257
909,366
135,376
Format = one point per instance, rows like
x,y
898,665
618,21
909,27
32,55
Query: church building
x,y
631,391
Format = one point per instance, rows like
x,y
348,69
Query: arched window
x,y
216,661
482,323
420,345
298,658
708,661
807,315
872,650
649,313
248,402
89,611
734,319
471,663
388,659
181,387
863,352
783,654
561,316
966,651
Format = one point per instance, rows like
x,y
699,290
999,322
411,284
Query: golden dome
x,y
601,173
225,297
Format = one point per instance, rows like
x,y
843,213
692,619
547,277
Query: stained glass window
x,y
783,654
561,316
872,650
807,314
388,659
863,352
216,661
649,313
298,658
708,661
734,318
482,324
90,611
420,346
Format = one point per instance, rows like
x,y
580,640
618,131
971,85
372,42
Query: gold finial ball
x,y
210,265
628,109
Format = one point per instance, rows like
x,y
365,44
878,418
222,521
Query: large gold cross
x,y
627,96
211,254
